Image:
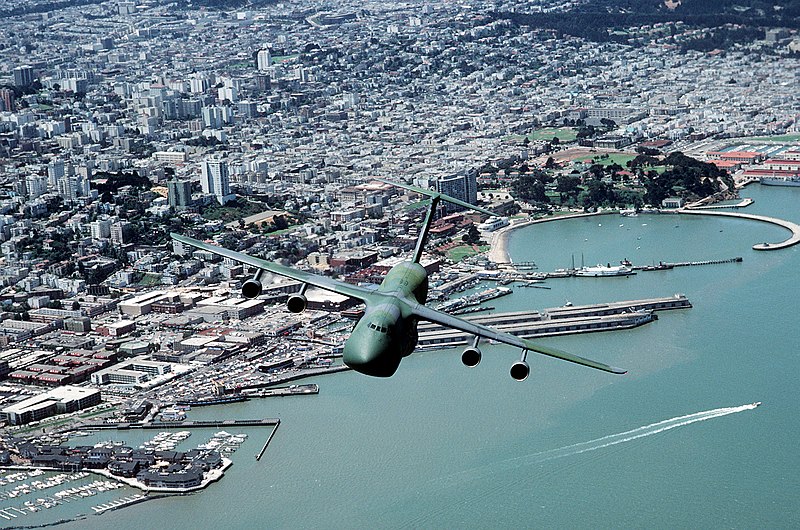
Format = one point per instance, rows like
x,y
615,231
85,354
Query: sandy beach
x,y
498,251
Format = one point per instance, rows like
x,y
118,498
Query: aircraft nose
x,y
370,357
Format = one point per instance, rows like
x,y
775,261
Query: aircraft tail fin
x,y
433,194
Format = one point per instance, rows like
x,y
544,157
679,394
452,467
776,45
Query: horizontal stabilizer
x,y
442,196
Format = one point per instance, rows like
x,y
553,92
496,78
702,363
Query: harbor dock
x,y
269,439
183,425
558,321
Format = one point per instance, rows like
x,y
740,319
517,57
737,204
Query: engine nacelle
x,y
471,357
297,303
251,288
520,370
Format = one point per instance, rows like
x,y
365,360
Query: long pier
x,y
737,259
792,227
182,425
269,439
559,320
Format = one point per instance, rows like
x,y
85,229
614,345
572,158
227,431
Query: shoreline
x,y
498,251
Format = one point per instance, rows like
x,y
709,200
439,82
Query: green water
x,y
443,446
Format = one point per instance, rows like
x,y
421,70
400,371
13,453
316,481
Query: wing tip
x,y
618,371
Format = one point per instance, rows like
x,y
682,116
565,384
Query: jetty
x,y
183,425
269,439
794,228
563,320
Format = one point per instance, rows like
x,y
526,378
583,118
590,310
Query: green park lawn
x,y
620,158
456,254
781,138
564,134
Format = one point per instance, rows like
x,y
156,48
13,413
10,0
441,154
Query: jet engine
x,y
520,370
471,357
297,303
251,288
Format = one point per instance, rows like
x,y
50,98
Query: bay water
x,y
674,443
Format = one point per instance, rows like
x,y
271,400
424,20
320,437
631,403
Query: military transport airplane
x,y
387,332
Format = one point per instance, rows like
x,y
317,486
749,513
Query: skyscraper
x,y
179,193
55,171
215,180
23,76
120,232
463,187
263,59
7,99
263,82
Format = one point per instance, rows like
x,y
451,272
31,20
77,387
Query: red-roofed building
x,y
745,157
783,165
730,165
764,172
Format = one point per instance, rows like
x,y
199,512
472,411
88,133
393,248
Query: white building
x,y
215,180
264,60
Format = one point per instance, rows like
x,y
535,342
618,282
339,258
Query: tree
x,y
598,193
530,187
472,237
567,185
609,123
280,222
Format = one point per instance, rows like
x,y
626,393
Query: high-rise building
x,y
212,117
263,82
463,187
23,76
67,188
263,59
215,180
228,93
36,185
100,229
247,109
198,83
121,232
7,100
179,193
55,171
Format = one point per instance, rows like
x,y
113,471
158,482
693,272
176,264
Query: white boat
x,y
780,181
493,223
604,270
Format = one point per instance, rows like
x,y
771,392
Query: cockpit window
x,y
379,329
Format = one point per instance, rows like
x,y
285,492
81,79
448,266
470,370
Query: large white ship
x,y
493,223
605,270
780,181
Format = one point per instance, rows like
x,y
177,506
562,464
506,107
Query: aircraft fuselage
x,y
388,331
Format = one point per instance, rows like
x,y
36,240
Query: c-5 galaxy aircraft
x,y
388,330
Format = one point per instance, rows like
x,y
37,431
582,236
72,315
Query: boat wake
x,y
456,482
598,443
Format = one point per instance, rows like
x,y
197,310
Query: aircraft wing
x,y
450,321
329,284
